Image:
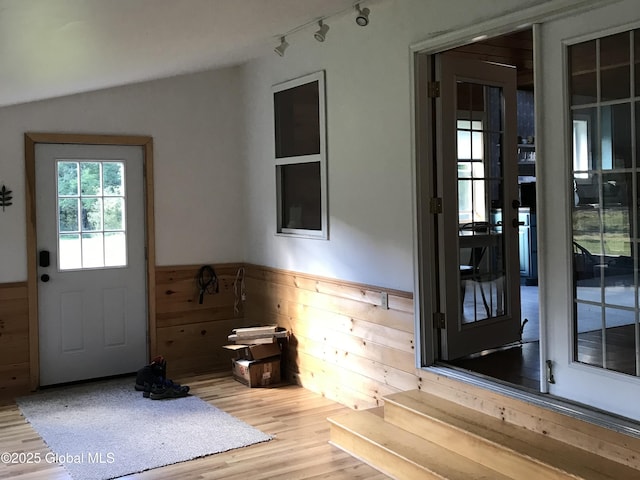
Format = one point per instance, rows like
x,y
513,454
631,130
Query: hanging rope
x,y
207,282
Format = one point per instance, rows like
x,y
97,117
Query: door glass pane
x,y
70,252
113,214
605,183
90,181
480,204
92,250
91,214
615,125
619,345
113,183
582,64
68,215
636,49
115,249
585,152
68,178
615,78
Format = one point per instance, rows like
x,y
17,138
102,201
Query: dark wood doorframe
x,y
30,142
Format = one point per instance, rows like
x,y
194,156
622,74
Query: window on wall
x,y
604,85
300,154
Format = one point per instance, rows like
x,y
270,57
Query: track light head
x,y
362,18
321,34
282,47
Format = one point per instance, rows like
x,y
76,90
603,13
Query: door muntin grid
x,y
604,81
91,214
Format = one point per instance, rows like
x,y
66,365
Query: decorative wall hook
x,y
5,197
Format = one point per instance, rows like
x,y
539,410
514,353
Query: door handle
x,y
516,223
43,258
44,277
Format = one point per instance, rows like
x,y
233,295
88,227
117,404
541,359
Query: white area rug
x,y
106,429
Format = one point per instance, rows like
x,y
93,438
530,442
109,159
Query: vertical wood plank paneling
x,y
188,334
347,342
14,340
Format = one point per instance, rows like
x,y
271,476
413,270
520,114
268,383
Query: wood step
x,y
401,454
558,419
492,442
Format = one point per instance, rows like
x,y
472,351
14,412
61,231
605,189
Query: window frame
x,y
321,158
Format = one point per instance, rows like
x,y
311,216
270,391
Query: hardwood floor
x,y
295,416
518,364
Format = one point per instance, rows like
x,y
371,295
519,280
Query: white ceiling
x,y
50,48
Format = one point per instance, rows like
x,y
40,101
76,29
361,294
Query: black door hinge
x,y
439,321
433,89
435,205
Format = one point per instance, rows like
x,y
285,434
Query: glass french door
x,y
596,57
477,180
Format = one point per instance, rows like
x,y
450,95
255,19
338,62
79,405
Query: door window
x,y
605,120
479,130
91,214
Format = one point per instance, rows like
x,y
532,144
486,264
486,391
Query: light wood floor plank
x,y
295,416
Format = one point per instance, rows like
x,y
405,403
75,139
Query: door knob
x,y
44,277
515,204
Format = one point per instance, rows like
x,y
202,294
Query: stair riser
x,y
379,458
478,449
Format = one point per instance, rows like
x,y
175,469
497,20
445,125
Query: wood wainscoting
x,y
190,335
352,343
14,339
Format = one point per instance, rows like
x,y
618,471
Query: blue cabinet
x,y
528,246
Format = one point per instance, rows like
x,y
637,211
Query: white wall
x,y
196,124
368,85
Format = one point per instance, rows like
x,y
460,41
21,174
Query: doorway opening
x,y
516,363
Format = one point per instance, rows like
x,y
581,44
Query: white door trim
x,y
31,139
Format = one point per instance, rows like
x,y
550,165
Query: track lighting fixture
x,y
362,18
321,34
282,47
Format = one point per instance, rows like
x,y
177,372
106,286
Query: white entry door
x,y
591,192
91,261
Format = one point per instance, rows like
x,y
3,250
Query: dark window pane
x,y
297,121
589,334
614,67
636,49
582,58
620,341
637,130
300,189
616,136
